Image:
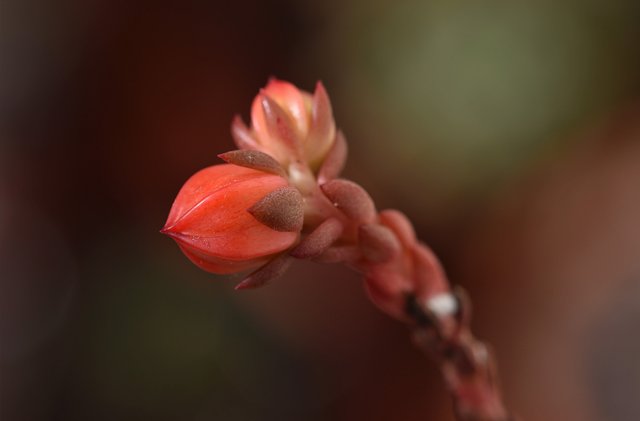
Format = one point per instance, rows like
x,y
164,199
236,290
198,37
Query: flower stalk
x,y
279,198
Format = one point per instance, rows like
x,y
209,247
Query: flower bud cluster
x,y
279,197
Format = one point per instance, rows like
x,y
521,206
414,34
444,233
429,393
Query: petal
x,y
292,100
242,136
219,265
322,131
275,129
204,183
334,161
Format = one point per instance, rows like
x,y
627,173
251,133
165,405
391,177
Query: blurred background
x,y
508,131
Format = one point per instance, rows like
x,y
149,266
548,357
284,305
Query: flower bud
x,y
211,220
290,124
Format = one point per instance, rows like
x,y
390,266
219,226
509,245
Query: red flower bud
x,y
211,222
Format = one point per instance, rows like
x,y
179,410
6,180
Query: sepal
x,y
267,273
319,240
351,199
254,159
281,210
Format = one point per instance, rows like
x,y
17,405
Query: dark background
x,y
508,131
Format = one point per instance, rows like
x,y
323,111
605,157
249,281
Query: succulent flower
x,y
246,214
278,197
291,125
228,218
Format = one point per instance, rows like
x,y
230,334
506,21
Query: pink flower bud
x,y
211,220
290,124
